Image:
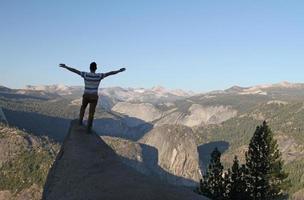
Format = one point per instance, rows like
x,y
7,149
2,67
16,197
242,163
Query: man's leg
x,y
83,108
93,104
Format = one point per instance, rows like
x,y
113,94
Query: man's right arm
x,y
70,69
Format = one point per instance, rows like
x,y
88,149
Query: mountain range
x,y
182,128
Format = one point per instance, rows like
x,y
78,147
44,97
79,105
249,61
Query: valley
x,y
169,134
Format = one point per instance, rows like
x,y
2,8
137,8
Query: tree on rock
x,y
213,185
264,165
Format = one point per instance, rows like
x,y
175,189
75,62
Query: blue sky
x,y
193,45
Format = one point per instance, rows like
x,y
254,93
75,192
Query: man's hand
x,y
122,69
62,65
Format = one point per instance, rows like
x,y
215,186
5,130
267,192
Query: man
x,y
90,96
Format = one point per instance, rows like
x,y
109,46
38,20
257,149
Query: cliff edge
x,y
87,168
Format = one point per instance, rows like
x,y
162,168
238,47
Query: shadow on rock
x,y
149,166
124,127
205,151
38,124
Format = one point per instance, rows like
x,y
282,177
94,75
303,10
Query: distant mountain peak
x,y
283,84
178,92
235,88
263,88
60,87
287,84
159,89
64,89
4,89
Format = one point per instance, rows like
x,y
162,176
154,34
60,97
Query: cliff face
x,y
177,153
87,168
168,152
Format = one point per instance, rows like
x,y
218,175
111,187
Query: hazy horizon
x,y
167,88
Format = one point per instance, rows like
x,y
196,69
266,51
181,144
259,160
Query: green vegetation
x,y
261,178
295,172
285,120
236,184
236,131
213,185
265,175
26,159
61,108
28,168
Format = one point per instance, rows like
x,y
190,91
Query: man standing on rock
x,y
90,96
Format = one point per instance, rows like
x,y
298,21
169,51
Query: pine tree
x,y
213,184
238,189
265,166
227,185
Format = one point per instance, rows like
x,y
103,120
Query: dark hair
x,y
93,66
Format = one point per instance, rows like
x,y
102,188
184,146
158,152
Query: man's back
x,y
91,82
90,96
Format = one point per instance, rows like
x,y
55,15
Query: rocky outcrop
x,y
144,95
87,168
198,115
299,195
118,126
24,161
132,154
176,153
14,142
290,148
144,111
32,193
11,143
145,159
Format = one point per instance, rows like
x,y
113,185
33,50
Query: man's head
x,y
93,67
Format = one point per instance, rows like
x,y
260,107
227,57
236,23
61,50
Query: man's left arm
x,y
114,72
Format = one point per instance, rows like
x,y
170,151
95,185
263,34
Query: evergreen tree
x,y
227,184
238,189
265,167
213,184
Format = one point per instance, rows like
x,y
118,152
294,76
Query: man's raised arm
x,y
114,72
70,69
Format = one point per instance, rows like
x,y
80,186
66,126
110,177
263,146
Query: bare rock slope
x,y
87,168
194,115
177,153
